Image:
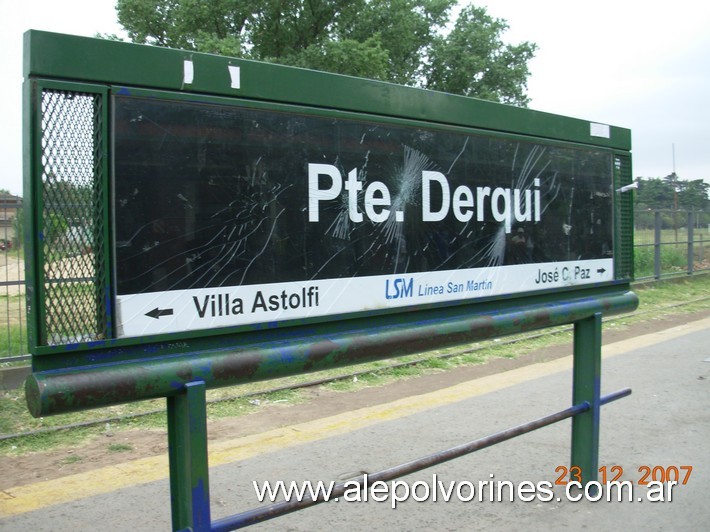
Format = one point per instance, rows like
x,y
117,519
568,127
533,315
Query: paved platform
x,y
664,423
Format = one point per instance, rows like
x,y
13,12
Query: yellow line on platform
x,y
35,496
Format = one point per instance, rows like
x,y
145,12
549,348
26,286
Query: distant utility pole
x,y
673,156
675,197
675,181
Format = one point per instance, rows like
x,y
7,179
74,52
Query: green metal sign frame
x,y
73,196
79,359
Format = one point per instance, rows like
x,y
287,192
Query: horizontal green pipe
x,y
61,391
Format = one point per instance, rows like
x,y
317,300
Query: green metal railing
x,y
184,380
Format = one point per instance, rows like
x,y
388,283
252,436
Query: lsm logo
x,y
399,288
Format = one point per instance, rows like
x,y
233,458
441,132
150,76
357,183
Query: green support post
x,y
189,473
586,387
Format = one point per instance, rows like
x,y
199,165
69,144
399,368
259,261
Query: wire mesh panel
x,y
624,262
72,238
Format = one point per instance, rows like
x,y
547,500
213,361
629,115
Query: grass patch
x,y
673,260
670,236
659,296
13,326
345,385
119,447
36,443
71,459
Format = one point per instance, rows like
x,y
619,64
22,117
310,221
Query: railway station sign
x,y
230,215
196,221
180,195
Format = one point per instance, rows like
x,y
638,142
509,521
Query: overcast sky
x,y
620,62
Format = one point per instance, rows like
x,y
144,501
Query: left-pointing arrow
x,y
156,313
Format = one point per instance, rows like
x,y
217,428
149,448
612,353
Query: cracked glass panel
x,y
209,195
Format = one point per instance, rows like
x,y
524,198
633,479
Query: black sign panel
x,y
232,215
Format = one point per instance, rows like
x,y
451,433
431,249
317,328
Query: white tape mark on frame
x,y
599,130
188,71
235,76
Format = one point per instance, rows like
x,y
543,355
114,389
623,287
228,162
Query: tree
x,y
655,193
694,194
671,192
472,60
402,41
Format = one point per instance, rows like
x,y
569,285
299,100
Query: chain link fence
x,y
670,242
13,326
